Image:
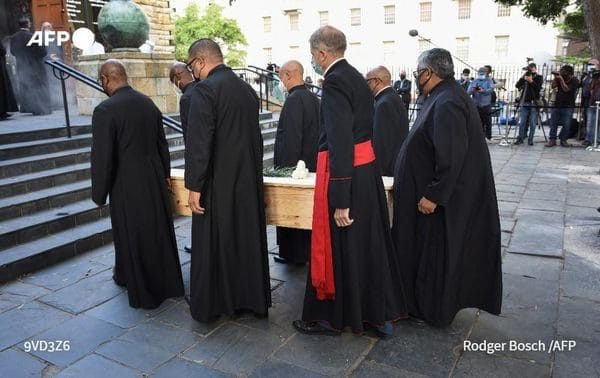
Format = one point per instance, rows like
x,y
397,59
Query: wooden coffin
x,y
288,201
179,194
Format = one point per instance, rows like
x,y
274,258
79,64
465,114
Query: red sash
x,y
321,258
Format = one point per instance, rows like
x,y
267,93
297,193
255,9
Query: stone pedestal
x,y
148,74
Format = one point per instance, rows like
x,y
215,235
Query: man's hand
x,y
426,206
342,217
194,202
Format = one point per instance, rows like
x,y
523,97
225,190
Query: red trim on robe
x,y
321,256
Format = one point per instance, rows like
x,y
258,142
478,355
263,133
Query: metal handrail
x,y
63,71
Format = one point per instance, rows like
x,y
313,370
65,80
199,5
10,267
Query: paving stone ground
x,y
551,262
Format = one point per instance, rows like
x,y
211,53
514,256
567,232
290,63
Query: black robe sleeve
x,y
450,142
338,120
200,135
102,156
184,111
163,147
289,142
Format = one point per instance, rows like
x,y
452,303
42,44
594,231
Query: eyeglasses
x,y
371,78
418,72
189,65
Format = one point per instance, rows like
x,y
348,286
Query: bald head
x,y
329,39
291,74
381,73
113,76
179,75
378,78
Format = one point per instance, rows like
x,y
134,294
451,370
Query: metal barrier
x,y
63,71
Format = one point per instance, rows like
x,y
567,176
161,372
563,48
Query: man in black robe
x,y
56,53
34,95
390,125
354,274
446,226
297,139
183,79
223,172
131,163
7,97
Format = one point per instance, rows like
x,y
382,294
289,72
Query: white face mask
x,y
282,87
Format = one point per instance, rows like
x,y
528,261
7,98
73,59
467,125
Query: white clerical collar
x,y
331,65
382,89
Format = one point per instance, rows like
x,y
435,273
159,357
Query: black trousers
x,y
485,114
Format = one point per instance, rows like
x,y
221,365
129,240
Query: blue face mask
x,y
315,67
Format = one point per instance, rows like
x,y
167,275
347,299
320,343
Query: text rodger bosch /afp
x,y
518,346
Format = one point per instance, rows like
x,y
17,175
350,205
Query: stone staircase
x,y
46,211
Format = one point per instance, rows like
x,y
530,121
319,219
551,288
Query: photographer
x,y
593,96
564,85
481,89
529,85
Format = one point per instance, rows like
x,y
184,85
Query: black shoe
x,y
4,116
314,328
518,141
530,142
117,280
187,248
563,143
280,260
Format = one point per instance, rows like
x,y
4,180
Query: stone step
x,y
41,224
28,257
49,198
43,146
15,185
37,163
51,133
49,146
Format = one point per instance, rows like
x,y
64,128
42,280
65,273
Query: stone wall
x,y
161,24
148,73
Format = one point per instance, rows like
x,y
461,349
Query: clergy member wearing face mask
x,y
354,271
223,172
448,234
297,139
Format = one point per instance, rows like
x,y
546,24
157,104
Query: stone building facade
x,y
161,24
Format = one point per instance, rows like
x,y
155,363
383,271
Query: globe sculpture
x,y
123,24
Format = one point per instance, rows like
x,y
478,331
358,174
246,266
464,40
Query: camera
x,y
477,87
595,74
528,73
555,73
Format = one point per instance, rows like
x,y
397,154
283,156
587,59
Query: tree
x,y
225,31
551,10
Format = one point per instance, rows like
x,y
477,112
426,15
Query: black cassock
x,y
366,269
184,106
451,258
8,102
297,139
130,162
33,93
390,128
223,161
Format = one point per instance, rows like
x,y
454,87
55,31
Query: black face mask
x,y
402,77
419,85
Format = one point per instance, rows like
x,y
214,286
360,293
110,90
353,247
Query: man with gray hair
x,y
390,126
223,172
354,274
446,228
